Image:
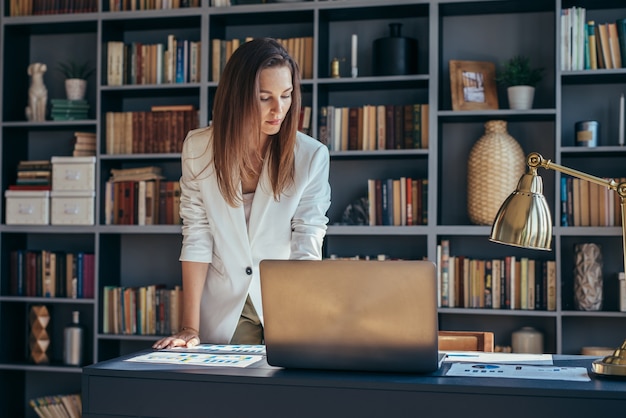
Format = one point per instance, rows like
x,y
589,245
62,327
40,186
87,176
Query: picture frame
x,y
473,85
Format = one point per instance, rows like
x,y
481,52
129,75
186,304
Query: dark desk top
x,y
262,373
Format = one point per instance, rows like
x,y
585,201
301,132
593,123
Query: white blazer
x,y
216,233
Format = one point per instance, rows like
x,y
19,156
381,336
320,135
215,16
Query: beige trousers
x,y
249,329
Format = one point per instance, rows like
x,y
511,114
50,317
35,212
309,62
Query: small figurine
x,y
37,93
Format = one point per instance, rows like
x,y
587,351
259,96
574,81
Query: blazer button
x,y
248,270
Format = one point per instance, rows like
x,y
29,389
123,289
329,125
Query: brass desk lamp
x,y
524,220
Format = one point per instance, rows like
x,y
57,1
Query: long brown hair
x,y
236,119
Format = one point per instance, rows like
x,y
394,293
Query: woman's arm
x,y
194,277
309,222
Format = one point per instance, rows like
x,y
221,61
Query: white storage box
x,y
72,208
25,207
73,173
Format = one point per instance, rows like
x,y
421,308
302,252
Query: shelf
x,y
474,30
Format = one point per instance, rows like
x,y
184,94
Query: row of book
x,y
141,196
58,406
300,49
177,61
397,202
52,274
144,310
126,5
584,203
589,45
374,127
499,283
47,7
161,130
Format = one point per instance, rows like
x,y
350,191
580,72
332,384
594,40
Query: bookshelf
x,y
131,255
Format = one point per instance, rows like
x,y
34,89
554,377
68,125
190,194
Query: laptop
x,y
351,315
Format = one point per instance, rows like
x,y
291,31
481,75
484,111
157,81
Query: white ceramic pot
x,y
527,340
75,88
521,97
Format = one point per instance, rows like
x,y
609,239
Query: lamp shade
x,y
524,218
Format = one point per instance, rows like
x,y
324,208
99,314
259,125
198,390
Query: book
x,y
523,283
371,201
381,135
152,169
532,279
604,49
80,274
584,203
69,103
452,263
563,200
591,42
115,63
409,200
565,40
88,275
71,277
61,268
621,36
488,288
17,272
614,46
444,281
496,289
551,285
48,273
425,125
164,108
594,203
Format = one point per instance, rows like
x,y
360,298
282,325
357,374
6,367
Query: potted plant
x,y
520,79
75,78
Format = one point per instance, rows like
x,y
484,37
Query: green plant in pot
x,y
520,78
76,76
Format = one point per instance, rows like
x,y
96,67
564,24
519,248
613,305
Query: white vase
x,y
527,340
75,88
521,97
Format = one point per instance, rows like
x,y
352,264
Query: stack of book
x,y
63,109
33,175
84,144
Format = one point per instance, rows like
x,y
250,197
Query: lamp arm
x,y
535,160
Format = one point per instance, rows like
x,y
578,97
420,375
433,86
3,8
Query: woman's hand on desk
x,y
186,337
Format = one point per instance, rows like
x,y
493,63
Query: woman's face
x,y
274,98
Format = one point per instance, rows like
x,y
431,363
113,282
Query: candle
x,y
354,43
621,120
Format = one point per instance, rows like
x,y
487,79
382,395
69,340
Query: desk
x,y
117,388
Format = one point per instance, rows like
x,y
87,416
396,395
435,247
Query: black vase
x,y
395,55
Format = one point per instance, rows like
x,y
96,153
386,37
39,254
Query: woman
x,y
252,188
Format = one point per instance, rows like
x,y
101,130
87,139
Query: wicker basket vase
x,y
496,163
